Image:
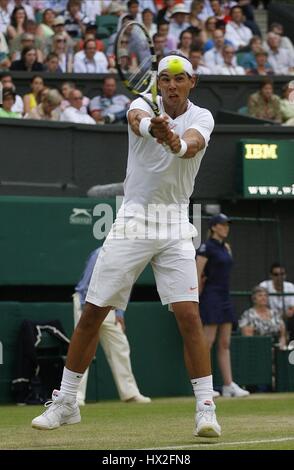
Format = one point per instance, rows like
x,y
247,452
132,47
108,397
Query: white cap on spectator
x,y
59,20
180,8
116,8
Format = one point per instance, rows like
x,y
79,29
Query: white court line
x,y
218,444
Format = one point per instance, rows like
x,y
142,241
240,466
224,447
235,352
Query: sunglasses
x,y
279,274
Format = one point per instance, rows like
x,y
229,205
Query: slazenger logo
x,y
80,217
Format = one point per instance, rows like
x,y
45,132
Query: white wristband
x,y
144,127
183,150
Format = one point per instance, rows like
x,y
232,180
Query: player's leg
x,y
82,390
176,278
210,332
119,263
84,340
64,407
197,358
196,351
117,351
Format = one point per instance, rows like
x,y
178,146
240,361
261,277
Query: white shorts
x,y
121,261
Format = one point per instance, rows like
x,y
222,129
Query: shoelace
x,y
207,414
48,404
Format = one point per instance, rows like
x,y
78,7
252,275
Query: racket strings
x,y
137,80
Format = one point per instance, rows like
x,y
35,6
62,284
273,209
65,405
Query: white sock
x,y
70,382
203,388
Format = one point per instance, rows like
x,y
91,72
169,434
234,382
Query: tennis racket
x,y
136,62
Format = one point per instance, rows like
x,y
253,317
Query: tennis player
x,y
164,157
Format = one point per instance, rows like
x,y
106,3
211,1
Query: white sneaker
x,y
139,399
234,390
61,410
215,394
206,423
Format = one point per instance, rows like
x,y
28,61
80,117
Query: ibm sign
x,y
267,169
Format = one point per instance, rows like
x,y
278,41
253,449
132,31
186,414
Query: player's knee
x,y
91,317
188,316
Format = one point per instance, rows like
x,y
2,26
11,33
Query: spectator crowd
x,y
77,36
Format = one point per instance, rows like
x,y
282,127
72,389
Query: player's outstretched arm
x,y
134,119
187,147
156,127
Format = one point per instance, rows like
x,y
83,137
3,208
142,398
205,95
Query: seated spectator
x,y
28,61
7,82
89,60
30,99
247,59
3,45
59,28
165,12
236,32
63,52
184,46
47,109
111,40
287,104
160,49
260,320
4,16
264,104
262,66
163,28
110,107
29,10
133,10
249,19
285,43
214,56
229,66
178,23
278,285
8,100
74,113
194,19
147,20
218,11
196,58
281,61
207,33
45,29
90,34
56,5
25,40
52,63
18,22
66,89
4,51
91,9
75,20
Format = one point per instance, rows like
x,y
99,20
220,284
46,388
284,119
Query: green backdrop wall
x,y
156,351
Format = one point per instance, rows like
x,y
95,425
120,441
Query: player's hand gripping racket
x,y
136,62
